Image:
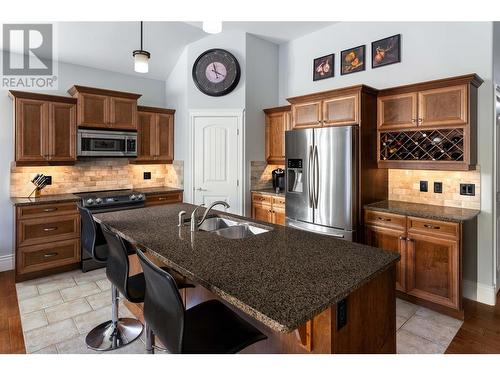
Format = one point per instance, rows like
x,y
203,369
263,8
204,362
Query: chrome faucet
x,y
195,223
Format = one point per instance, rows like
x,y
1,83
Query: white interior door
x,y
216,159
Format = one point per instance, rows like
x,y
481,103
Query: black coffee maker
x,y
278,180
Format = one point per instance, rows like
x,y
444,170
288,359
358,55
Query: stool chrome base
x,y
109,336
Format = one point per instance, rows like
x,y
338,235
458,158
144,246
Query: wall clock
x,y
216,72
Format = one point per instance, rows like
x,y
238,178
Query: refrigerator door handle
x,y
310,191
316,177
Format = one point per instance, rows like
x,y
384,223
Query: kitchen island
x,y
307,292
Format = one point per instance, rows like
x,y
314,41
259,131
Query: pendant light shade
x,y
141,58
212,27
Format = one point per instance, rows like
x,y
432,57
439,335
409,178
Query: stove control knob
x,y
133,197
98,200
89,201
140,197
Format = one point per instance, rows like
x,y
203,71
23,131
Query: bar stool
x,y
207,328
93,241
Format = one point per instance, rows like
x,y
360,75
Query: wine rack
x,y
422,145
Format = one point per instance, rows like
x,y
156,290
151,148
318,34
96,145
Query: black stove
x,y
111,200
107,201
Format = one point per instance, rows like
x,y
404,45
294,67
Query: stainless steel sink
x,y
240,231
215,223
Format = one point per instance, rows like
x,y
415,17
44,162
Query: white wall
x,y
429,51
153,94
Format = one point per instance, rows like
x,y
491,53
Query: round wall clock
x,y
216,72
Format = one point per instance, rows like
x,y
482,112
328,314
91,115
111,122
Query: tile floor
x,y
58,311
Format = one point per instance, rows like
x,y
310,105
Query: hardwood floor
x,y
11,333
480,333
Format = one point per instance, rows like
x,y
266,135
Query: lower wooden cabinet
x,y
165,198
430,265
47,239
268,208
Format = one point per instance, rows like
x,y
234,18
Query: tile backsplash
x,y
404,185
96,174
261,175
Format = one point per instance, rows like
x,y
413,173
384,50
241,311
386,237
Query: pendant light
x,y
141,58
212,27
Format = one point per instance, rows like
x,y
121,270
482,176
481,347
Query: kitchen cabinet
x,y
429,125
45,129
268,208
330,108
430,268
105,109
47,239
164,198
155,135
277,122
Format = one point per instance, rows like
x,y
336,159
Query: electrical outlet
x,y
468,189
48,180
147,175
424,186
438,187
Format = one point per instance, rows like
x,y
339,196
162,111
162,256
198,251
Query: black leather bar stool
x,y
207,328
93,241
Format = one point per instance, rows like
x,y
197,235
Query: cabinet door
x,y
123,113
31,130
397,111
164,137
62,132
262,212
341,111
93,110
306,115
392,240
433,269
275,137
278,215
146,136
443,106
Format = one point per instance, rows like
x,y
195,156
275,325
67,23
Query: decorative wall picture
x,y
386,51
352,60
323,67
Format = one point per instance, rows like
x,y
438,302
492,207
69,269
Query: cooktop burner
x,y
108,198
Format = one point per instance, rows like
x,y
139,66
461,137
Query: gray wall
x,y
153,94
429,51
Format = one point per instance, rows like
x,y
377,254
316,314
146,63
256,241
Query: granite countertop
x,y
158,190
270,191
283,277
43,199
428,211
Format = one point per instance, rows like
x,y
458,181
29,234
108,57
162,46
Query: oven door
x,y
106,143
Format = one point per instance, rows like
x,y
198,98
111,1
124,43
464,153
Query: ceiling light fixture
x,y
212,27
141,58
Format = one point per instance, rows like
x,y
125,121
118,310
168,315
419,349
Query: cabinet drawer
x,y
262,198
154,200
47,229
385,219
433,227
46,256
278,201
45,210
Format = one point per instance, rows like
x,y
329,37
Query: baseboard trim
x,y
479,292
6,262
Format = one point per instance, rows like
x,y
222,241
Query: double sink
x,y
231,228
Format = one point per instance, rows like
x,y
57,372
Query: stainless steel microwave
x,y
106,143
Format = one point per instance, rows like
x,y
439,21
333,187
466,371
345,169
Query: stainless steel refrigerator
x,y
322,180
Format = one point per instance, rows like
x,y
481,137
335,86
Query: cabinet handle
x,y
50,255
162,198
383,219
430,226
52,209
413,120
50,229
420,120
403,238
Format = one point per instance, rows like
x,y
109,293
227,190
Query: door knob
x,y
200,189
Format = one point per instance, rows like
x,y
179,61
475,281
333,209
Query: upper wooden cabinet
x,y
100,108
430,125
155,133
330,108
45,129
277,122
